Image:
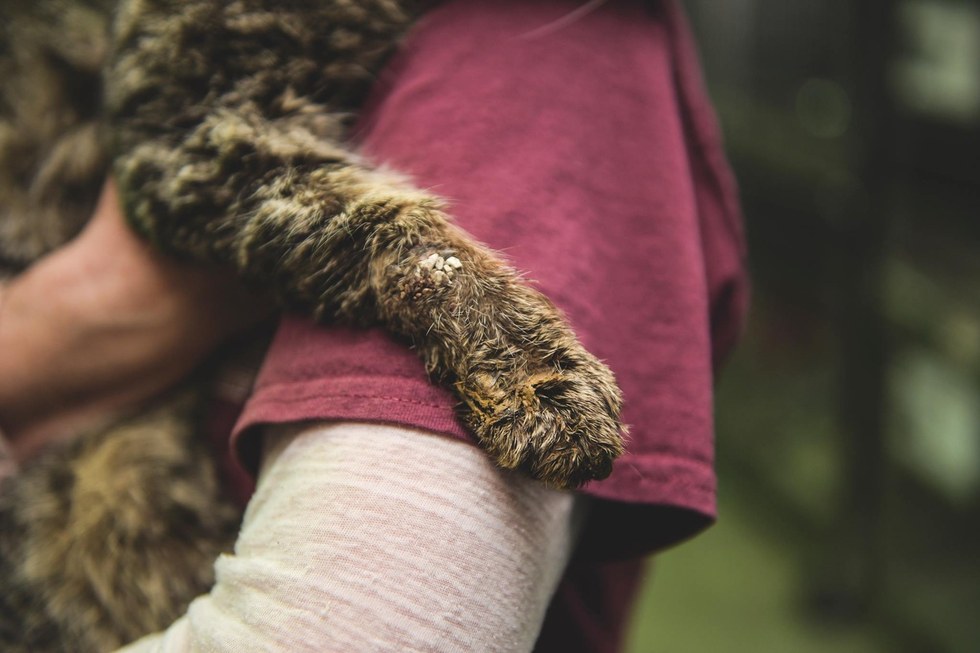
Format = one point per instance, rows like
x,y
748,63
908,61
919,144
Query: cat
x,y
224,125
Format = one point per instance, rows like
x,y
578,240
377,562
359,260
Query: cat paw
x,y
537,401
559,425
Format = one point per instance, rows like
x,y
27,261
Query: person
x,y
577,140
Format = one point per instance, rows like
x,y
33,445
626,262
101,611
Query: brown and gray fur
x,y
224,125
109,538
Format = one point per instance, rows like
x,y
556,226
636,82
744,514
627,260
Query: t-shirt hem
x,y
643,479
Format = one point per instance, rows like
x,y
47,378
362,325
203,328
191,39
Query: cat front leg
x,y
343,241
536,399
231,151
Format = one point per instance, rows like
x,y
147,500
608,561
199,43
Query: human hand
x,y
103,323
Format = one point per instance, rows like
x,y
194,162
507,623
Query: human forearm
x,y
380,538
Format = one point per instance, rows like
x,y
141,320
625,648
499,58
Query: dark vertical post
x,y
862,329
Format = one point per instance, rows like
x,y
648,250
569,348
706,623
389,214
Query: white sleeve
x,y
365,537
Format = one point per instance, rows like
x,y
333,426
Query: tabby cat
x,y
223,123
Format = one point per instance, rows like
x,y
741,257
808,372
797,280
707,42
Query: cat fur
x,y
224,124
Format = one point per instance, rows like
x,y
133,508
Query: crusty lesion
x,y
438,269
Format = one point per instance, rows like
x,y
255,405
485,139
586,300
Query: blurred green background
x,y
849,420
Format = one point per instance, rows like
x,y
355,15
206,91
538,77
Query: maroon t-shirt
x,y
581,146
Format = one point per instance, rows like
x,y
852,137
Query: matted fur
x,y
224,125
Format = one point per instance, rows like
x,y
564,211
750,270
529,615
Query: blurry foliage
x,y
850,418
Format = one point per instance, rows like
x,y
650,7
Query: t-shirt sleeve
x,y
563,139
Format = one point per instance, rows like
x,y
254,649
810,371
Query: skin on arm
x,y
104,323
365,537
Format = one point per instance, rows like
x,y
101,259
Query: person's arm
x,y
359,538
366,537
104,323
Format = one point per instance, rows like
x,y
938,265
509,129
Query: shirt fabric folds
x,y
579,144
